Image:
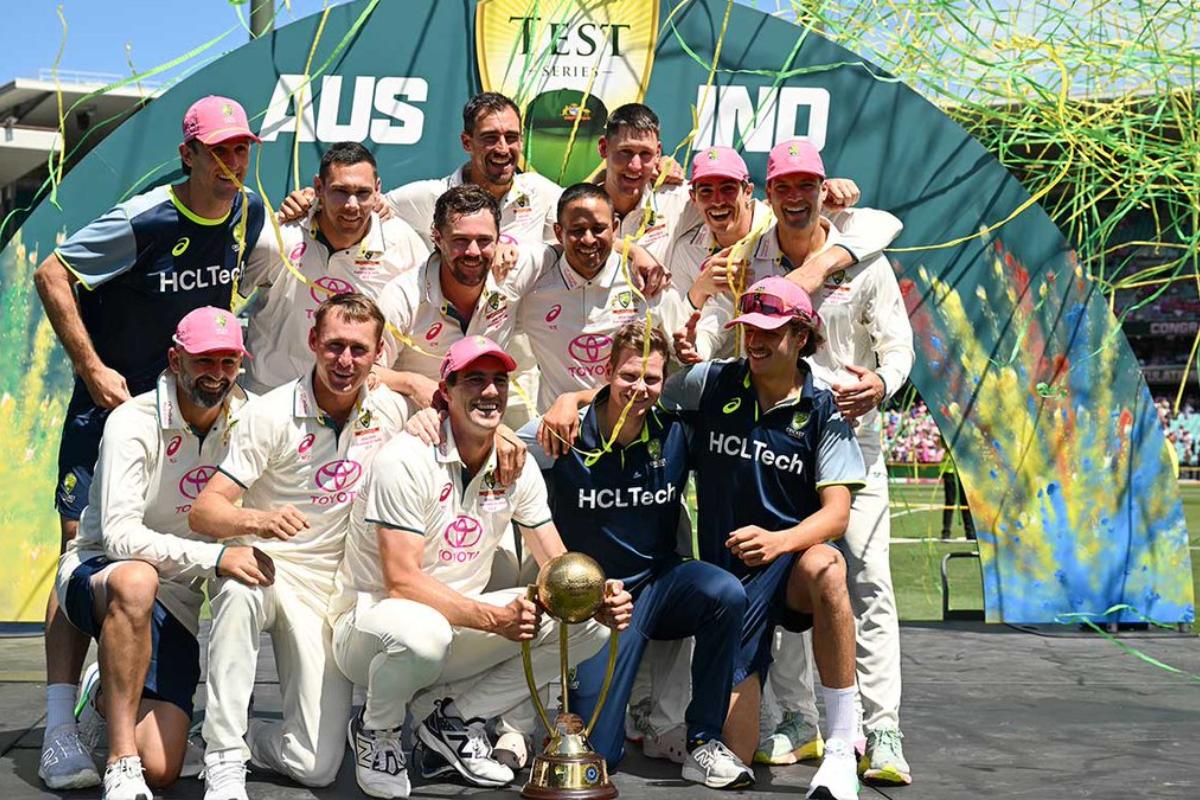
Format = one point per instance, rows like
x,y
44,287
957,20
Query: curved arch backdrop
x,y
1024,368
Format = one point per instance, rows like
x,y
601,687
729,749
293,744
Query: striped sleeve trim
x,y
83,281
546,521
393,526
850,483
233,478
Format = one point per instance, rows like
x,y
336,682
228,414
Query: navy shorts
x,y
174,670
77,452
766,596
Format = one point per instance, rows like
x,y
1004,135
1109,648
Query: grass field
x,y
917,552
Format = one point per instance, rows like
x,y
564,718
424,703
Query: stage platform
x,y
989,712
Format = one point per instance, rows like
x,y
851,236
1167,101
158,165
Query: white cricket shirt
x,y
151,467
423,490
284,450
277,333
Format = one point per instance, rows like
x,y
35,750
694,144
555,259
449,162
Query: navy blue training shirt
x,y
624,508
144,265
756,467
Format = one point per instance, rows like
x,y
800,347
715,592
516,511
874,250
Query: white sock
x,y
60,704
839,712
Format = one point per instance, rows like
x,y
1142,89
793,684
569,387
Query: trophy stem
x,y
563,665
527,663
608,676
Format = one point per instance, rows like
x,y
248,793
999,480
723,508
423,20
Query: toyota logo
x,y
337,476
327,287
590,348
194,481
464,531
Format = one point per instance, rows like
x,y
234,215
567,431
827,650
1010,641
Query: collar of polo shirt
x,y
167,402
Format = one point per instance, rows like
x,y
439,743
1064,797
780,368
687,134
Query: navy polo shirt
x,y
756,467
623,507
144,265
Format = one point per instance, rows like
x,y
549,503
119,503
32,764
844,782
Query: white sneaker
x,y
715,765
512,750
93,729
463,743
65,764
225,776
637,723
794,739
379,765
669,745
837,779
123,780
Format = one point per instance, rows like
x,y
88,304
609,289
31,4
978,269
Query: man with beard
x,y
114,292
414,621
133,578
867,359
342,246
295,460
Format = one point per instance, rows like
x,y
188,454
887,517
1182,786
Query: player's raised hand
x,y
755,546
617,609
650,276
246,564
840,193
426,425
559,426
857,397
504,258
520,620
685,341
296,204
282,523
510,455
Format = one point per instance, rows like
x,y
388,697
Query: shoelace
x,y
477,740
707,756
384,742
123,769
888,741
69,744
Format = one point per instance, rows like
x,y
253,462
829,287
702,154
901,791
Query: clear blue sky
x,y
98,31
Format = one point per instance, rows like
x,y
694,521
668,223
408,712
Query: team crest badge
x,y
566,67
222,320
793,150
838,277
654,448
713,155
625,299
69,483
364,419
799,420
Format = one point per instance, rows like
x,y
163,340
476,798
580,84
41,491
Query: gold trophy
x,y
571,589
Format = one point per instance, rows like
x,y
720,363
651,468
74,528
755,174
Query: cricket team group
x,y
426,394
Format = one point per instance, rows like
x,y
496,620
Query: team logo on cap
x,y
713,155
463,532
589,348
793,150
227,111
222,320
194,480
573,111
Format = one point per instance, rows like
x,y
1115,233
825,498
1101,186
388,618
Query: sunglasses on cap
x,y
768,304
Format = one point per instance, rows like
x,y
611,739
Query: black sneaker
x,y
429,764
463,744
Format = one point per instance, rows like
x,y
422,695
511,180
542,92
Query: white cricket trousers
x,y
307,745
398,648
869,579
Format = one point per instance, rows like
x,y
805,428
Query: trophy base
x,y
574,777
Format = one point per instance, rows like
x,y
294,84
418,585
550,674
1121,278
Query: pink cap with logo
x,y
470,349
215,119
719,162
792,157
209,329
772,303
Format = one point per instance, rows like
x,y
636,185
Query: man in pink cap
x,y
866,360
413,621
114,292
775,466
133,578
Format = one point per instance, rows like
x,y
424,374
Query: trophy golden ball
x,y
571,587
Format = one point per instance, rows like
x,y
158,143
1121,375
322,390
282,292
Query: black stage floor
x,y
989,712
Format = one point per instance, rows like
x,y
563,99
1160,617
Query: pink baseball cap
x,y
208,329
793,156
470,349
215,119
719,162
772,303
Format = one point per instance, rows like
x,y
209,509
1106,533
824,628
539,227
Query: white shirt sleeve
x,y
889,327
414,203
866,231
399,496
530,506
120,489
263,264
253,438
396,302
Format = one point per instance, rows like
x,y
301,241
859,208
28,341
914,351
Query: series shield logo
x,y
545,61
